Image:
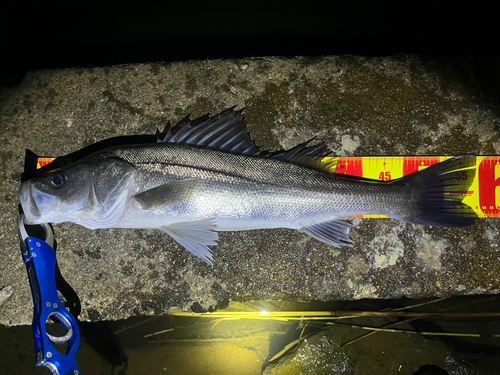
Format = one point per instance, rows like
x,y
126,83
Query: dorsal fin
x,y
311,156
160,135
227,131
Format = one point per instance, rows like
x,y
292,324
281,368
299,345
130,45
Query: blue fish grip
x,y
40,260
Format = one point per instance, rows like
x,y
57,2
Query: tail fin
x,y
438,191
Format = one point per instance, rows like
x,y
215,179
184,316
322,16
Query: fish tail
x,y
437,193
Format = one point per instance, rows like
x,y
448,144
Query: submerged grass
x,y
332,319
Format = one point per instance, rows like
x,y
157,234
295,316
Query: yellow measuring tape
x,y
483,195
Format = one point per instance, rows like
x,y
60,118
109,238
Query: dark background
x,y
81,34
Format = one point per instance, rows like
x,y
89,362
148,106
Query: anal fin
x,y
334,233
195,236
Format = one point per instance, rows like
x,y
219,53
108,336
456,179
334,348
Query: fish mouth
x,y
30,208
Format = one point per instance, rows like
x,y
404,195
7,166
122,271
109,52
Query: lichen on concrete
x,y
401,105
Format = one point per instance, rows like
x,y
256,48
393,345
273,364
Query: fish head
x,y
92,192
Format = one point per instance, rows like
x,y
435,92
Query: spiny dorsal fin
x,y
227,131
161,135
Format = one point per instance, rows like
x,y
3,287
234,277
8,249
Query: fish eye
x,y
57,180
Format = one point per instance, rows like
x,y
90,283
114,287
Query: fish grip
x,y
57,352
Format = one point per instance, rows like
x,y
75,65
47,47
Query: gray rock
x,y
402,105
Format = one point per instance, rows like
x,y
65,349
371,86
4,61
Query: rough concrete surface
x,y
403,105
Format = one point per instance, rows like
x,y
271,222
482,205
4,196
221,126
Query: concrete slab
x,y
403,105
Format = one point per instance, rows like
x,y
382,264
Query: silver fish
x,y
207,176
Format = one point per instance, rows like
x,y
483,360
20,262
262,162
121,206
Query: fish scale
x,y
259,182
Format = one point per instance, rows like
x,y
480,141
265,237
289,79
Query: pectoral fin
x,y
167,194
334,233
195,236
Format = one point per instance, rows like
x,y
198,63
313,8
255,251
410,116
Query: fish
x,y
207,175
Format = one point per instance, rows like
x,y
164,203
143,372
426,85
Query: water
x,y
195,345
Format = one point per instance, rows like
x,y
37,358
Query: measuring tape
x,y
483,195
